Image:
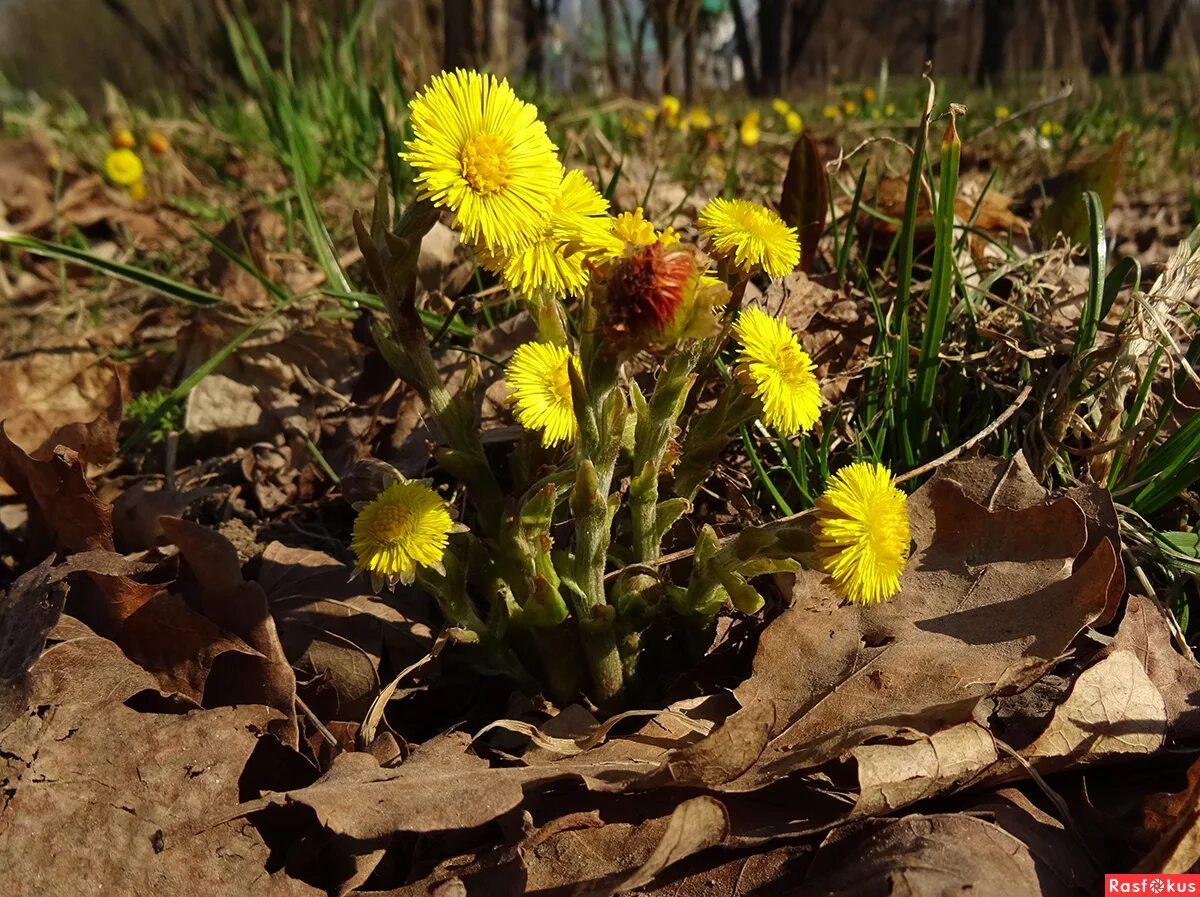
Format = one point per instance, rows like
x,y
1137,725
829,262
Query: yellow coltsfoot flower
x,y
748,131
777,372
123,167
862,533
578,228
407,525
540,385
632,227
482,153
750,236
795,124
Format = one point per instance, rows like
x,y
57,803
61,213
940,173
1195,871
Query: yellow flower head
x,y
795,124
780,106
123,167
1001,112
889,110
777,371
407,525
121,138
699,119
577,228
831,112
649,113
750,236
541,388
849,107
632,227
669,106
862,533
137,191
483,154
868,95
748,131
157,143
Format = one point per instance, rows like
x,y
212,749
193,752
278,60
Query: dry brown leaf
x,y
64,505
62,397
98,794
239,607
923,856
990,599
1113,709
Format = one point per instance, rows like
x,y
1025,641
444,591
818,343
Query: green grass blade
x,y
938,304
173,289
1089,318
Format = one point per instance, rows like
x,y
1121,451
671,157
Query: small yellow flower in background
x,y
123,167
868,95
482,153
669,106
1050,129
780,106
795,124
407,525
849,107
157,143
889,110
700,119
876,114
121,138
750,236
1001,112
632,227
862,533
137,191
577,228
831,111
777,372
649,113
748,131
540,383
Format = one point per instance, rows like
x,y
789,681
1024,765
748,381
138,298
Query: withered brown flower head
x,y
646,288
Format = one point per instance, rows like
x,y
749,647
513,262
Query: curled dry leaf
x,y
239,607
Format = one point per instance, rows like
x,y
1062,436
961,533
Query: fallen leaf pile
x,y
205,717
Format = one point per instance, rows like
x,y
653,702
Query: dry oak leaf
x,y
993,595
100,798
239,607
62,397
61,502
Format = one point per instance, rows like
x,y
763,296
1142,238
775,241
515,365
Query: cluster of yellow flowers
x,y
123,166
484,154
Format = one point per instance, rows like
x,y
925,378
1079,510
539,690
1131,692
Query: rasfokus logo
x,y
1137,883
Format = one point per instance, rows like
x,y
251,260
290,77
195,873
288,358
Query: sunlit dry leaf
x,y
97,792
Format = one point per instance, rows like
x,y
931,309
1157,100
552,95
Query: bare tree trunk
x,y
932,27
741,36
1110,22
771,30
804,18
536,29
998,18
460,28
1160,51
497,36
612,66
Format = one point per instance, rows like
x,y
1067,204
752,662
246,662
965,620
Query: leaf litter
x,y
184,709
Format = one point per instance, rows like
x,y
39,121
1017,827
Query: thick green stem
x,y
650,444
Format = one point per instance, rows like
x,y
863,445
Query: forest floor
x,y
197,696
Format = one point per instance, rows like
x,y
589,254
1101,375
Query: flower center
x,y
485,163
562,384
393,523
792,368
